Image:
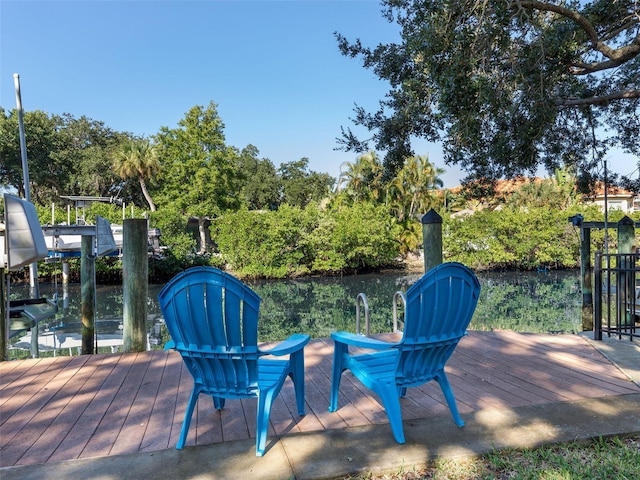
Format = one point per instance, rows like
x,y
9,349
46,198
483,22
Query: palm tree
x,y
362,179
138,158
556,192
412,190
565,179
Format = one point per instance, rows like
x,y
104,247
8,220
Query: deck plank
x,y
43,404
121,395
57,422
93,405
22,387
160,423
65,408
137,419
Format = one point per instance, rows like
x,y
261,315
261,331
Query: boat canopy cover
x,y
105,242
24,238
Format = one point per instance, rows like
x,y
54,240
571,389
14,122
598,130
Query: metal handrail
x,y
362,297
402,296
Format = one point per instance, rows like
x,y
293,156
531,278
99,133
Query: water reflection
x,y
519,301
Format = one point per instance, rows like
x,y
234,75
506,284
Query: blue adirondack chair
x,y
438,310
212,318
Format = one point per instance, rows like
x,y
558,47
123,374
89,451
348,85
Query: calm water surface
x,y
518,301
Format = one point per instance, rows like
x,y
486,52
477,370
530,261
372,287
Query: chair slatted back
x,y
213,320
438,310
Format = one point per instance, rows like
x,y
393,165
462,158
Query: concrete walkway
x,y
622,353
336,453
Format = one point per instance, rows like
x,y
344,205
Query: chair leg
x,y
340,349
265,401
218,402
391,402
443,381
187,418
297,376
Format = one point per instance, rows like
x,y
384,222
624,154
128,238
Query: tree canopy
x,y
300,185
66,155
200,173
507,86
262,187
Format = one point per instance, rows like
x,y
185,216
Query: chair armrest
x,y
169,345
361,341
292,344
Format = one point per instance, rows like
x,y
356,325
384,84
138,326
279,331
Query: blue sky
x,y
272,67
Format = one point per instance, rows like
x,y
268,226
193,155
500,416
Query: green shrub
x,y
173,232
270,244
353,238
514,238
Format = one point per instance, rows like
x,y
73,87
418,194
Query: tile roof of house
x,y
598,190
513,184
508,185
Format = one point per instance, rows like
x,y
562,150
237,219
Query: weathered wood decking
x,y
78,407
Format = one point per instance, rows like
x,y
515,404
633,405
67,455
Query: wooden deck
x,y
99,405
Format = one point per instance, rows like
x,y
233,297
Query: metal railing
x,y
362,299
398,295
616,299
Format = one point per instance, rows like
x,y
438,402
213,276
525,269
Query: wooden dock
x,y
65,408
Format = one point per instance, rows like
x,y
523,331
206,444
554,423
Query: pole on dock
x,y
87,294
432,239
65,285
586,283
4,319
626,235
626,276
135,284
33,267
585,275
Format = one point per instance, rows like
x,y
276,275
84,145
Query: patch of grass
x,y
609,458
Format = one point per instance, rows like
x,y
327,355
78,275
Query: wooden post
x,y
4,321
87,294
585,275
135,282
626,281
626,235
432,239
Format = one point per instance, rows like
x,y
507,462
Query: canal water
x,y
519,301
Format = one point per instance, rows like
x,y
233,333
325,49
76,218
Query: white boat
x,y
52,341
66,240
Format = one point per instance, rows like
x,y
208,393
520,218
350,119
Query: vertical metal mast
x,y
33,268
606,210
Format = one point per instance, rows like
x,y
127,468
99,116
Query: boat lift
x,y
24,243
21,245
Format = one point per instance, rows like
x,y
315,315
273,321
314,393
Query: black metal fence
x,y
616,299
